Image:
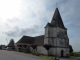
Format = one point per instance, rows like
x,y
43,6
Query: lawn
x,y
74,57
50,57
30,53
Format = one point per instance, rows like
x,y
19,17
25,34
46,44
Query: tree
x,y
34,46
47,47
11,43
71,49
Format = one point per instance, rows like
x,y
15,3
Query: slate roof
x,y
26,39
56,20
39,40
49,25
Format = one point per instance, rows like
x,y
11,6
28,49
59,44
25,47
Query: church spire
x,y
57,20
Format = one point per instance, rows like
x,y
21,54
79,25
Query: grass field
x,y
74,57
50,57
30,53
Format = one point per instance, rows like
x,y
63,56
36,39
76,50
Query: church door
x,y
61,53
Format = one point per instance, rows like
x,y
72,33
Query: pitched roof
x,y
49,25
39,40
26,39
57,20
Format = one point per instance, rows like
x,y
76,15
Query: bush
x,y
19,49
75,54
71,49
47,46
25,50
34,46
13,48
37,54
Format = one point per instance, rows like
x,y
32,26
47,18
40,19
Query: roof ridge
x,y
39,36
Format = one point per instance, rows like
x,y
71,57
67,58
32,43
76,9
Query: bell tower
x,y
56,35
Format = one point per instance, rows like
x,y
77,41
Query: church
x,y
55,34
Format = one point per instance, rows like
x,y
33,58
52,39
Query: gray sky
x,y
29,17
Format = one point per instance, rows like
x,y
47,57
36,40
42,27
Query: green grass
x,y
43,56
74,57
50,57
30,53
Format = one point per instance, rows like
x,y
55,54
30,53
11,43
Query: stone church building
x,y
55,34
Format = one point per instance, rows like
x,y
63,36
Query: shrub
x,y
75,54
25,50
47,47
13,48
37,54
34,46
19,49
71,49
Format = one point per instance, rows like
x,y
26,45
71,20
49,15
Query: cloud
x,y
32,31
13,20
10,9
29,17
67,23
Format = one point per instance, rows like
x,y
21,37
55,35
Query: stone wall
x,y
58,38
40,50
53,51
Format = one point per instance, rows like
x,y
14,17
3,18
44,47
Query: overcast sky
x,y
29,17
